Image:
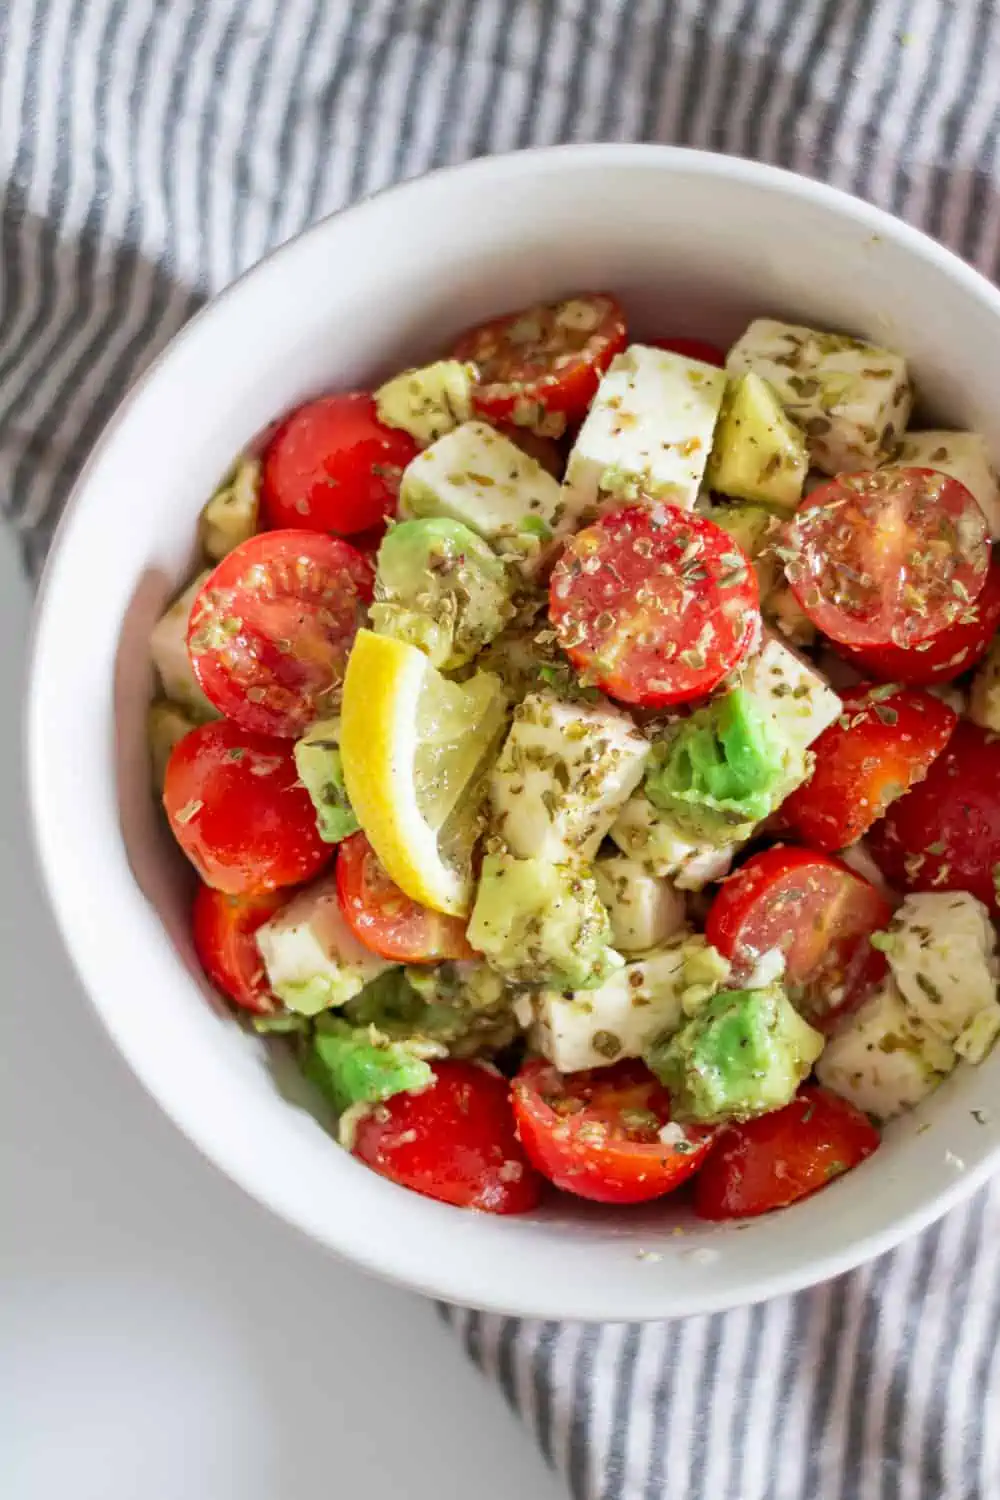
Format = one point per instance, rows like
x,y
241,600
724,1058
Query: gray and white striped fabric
x,y
152,149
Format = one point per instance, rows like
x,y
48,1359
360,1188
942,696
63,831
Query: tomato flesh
x,y
817,913
776,1159
884,742
273,625
333,466
887,558
540,368
385,919
237,809
597,1134
700,349
946,655
654,604
223,929
944,835
455,1142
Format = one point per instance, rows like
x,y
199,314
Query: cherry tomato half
x,y
540,368
815,911
655,604
779,1158
454,1141
701,349
944,835
385,919
333,466
238,811
946,655
223,928
886,740
273,626
887,558
598,1134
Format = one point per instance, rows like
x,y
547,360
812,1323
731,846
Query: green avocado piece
x,y
743,1053
430,401
755,529
355,1065
462,1008
542,924
321,771
722,770
441,588
759,454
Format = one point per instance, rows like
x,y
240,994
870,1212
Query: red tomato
x,y
597,1134
454,1141
885,741
947,655
238,811
944,835
544,363
333,466
385,919
709,354
273,626
368,542
779,1158
817,912
887,558
656,605
223,930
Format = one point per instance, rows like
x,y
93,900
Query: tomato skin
x,y
236,808
955,650
817,912
633,596
890,741
776,1159
385,919
223,929
944,835
556,372
333,466
887,557
272,627
561,1119
700,349
455,1142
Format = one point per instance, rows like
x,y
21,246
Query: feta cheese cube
x,y
648,432
852,399
881,1059
168,649
650,838
645,910
312,958
984,696
563,774
790,692
963,455
941,948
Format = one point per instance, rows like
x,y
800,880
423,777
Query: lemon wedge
x,y
415,747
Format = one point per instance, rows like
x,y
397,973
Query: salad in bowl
x,y
588,752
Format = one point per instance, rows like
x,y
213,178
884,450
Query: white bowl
x,y
694,244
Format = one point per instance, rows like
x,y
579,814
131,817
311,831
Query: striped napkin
x,y
152,149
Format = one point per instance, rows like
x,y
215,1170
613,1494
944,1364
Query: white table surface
x,y
161,1336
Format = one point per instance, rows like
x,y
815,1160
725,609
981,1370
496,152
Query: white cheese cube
x,y
562,776
941,948
963,455
881,1059
477,476
168,648
650,838
781,609
791,693
649,431
312,958
984,696
645,910
852,399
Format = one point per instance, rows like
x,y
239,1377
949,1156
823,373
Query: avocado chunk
x,y
755,529
321,772
231,516
542,924
724,769
759,454
430,401
441,588
166,724
743,1053
355,1065
458,1009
